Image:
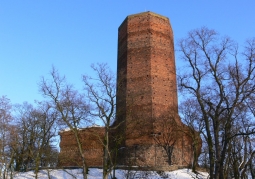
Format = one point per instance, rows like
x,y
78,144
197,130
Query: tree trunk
x,y
105,159
252,171
194,162
37,165
84,168
211,162
84,165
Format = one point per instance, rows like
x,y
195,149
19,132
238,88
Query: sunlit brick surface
x,y
147,89
146,101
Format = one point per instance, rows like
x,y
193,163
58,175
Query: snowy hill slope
x,y
120,174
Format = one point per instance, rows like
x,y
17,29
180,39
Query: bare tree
x,y
191,116
6,154
33,136
23,139
242,149
101,92
166,135
221,84
44,118
71,108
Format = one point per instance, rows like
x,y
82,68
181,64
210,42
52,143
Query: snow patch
x,y
68,129
95,173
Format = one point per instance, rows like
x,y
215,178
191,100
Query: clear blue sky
x,y
72,34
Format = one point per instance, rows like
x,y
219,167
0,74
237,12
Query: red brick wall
x,y
91,144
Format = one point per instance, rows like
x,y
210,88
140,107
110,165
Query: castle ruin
x,y
147,104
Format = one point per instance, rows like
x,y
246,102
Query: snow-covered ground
x,y
120,174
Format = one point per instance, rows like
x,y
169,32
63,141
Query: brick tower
x,y
147,108
146,63
146,89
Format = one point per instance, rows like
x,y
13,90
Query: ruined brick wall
x,y
152,154
148,154
91,144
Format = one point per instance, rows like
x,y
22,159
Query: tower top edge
x,y
148,12
144,13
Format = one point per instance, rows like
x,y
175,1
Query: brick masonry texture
x,y
146,69
91,142
147,104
